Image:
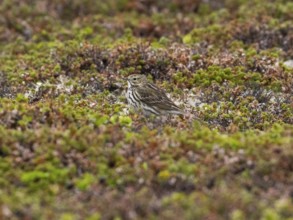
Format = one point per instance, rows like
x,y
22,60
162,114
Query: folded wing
x,y
156,98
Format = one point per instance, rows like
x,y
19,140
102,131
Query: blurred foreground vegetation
x,y
69,148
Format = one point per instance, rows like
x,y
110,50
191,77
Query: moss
x,y
85,182
95,216
69,147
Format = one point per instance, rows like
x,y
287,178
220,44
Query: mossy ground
x,y
70,150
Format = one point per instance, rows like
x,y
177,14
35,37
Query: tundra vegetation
x,y
69,147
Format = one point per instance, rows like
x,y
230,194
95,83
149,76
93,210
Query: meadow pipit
x,y
146,96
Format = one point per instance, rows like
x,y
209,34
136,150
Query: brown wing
x,y
156,97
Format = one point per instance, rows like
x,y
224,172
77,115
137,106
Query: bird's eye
x,y
134,78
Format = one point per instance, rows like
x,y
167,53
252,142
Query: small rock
x,y
6,211
289,64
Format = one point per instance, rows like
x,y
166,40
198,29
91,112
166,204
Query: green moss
x,y
164,175
95,216
237,215
85,181
67,149
270,214
38,179
67,216
212,33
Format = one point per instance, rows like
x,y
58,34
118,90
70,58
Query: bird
x,y
146,96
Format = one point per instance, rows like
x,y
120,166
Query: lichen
x,y
71,149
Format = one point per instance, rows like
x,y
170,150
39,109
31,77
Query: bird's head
x,y
136,80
